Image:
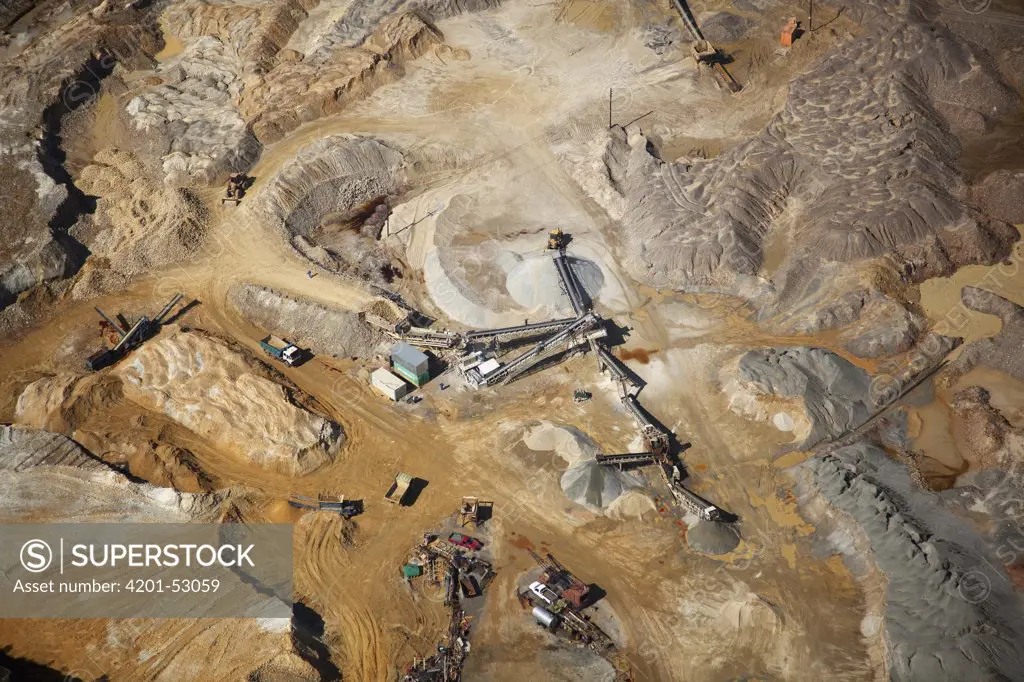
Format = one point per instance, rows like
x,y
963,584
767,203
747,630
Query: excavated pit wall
x,y
334,176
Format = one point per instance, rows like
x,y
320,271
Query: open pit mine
x,y
581,340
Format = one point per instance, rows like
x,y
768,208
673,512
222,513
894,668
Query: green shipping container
x,y
410,364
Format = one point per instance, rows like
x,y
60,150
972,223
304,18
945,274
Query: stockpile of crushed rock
x,y
586,482
949,615
139,225
312,325
810,391
192,111
862,158
712,537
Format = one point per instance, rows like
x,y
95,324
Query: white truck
x,y
544,592
285,351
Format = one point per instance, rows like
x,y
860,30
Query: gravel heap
x,y
948,616
596,487
863,158
834,393
312,325
712,537
139,224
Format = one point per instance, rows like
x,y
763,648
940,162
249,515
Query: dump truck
x,y
285,351
400,486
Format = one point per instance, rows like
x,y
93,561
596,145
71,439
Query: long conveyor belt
x,y
534,327
608,361
541,350
570,283
638,458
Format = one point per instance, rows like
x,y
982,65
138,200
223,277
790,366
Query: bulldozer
x,y
556,239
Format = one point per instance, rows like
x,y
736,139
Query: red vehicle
x,y
465,541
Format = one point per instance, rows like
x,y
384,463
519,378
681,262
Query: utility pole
x,y
810,15
609,107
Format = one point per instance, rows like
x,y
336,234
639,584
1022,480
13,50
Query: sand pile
x,y
312,325
139,225
218,393
23,448
327,197
48,477
585,482
937,624
810,391
534,283
1002,195
596,487
880,327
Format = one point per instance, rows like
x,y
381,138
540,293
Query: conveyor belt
x,y
569,283
638,414
608,361
520,329
640,458
431,339
695,503
541,351
167,308
691,26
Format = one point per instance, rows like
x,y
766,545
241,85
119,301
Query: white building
x,y
389,384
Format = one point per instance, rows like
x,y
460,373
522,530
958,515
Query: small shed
x,y
412,570
388,384
410,363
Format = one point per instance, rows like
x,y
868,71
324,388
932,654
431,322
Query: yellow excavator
x,y
556,239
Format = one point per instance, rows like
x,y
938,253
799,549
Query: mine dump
x,y
584,340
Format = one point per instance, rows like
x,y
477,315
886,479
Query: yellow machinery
x,y
556,239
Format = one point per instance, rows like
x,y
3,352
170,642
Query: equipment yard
x,y
585,340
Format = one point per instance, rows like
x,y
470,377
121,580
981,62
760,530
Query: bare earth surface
x,y
817,278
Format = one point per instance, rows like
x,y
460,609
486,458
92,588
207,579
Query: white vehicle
x,y
544,592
